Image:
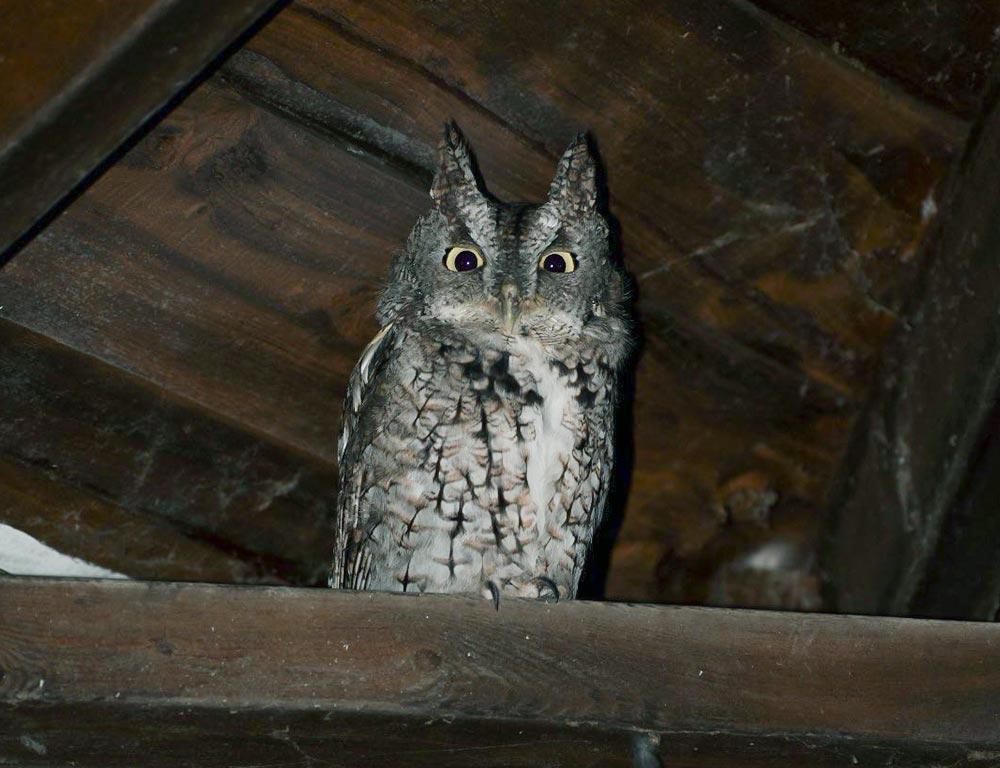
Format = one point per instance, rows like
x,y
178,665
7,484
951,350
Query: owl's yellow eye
x,y
463,258
557,261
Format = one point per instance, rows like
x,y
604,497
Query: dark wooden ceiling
x,y
176,343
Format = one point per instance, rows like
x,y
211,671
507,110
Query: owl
x,y
477,443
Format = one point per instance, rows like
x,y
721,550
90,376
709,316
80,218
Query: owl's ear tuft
x,y
456,172
574,189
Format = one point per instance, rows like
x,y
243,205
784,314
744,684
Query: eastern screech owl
x,y
476,450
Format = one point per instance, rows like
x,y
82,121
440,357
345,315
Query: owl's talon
x,y
545,584
495,591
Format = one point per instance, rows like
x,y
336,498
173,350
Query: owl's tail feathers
x,y
353,561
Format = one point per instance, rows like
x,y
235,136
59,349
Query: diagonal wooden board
x,y
101,465
913,524
103,673
939,51
77,81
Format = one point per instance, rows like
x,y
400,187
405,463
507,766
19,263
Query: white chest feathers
x,y
551,437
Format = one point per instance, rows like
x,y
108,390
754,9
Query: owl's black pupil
x,y
554,263
466,260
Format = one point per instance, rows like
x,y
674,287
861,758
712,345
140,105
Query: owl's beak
x,y
510,305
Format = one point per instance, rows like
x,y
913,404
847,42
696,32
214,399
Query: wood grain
x,y
157,736
941,52
225,259
79,78
808,212
961,578
281,668
772,201
44,52
913,481
101,465
83,523
109,735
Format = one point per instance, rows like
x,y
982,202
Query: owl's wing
x,y
350,568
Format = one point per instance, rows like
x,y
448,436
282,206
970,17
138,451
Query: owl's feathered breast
x,y
462,466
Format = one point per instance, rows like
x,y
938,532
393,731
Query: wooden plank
x,y
102,465
258,305
301,674
771,200
913,473
43,52
962,576
101,735
78,79
84,524
941,52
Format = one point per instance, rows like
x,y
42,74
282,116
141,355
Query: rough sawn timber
x,y
78,77
941,52
235,676
100,464
913,525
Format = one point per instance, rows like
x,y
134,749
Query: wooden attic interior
x,y
198,208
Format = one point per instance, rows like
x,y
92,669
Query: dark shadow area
x,y
593,581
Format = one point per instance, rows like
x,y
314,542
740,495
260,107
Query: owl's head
x,y
497,274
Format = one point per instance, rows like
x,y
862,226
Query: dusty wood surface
x,y
941,52
962,574
103,735
772,199
79,77
440,678
99,464
919,485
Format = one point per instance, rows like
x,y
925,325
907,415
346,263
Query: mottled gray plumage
x,y
476,451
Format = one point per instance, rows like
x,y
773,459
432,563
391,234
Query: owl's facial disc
x,y
511,275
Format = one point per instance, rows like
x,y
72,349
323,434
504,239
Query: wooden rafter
x,y
79,80
914,526
123,474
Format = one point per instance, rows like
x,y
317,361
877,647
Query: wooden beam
x,y
79,78
915,513
962,577
941,52
89,670
106,466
